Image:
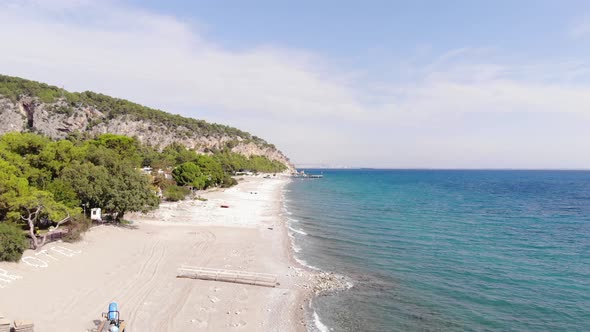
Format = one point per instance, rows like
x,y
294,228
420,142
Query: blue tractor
x,y
112,323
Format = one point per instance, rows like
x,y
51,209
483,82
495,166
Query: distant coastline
x,y
444,169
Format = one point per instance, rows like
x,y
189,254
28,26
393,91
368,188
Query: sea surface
x,y
440,250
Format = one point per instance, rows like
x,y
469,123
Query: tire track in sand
x,y
86,299
201,248
135,301
123,285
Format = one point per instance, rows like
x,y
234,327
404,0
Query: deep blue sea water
x,y
439,250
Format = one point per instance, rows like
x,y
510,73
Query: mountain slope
x,y
32,106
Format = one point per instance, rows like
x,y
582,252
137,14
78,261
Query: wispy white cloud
x,y
487,89
139,54
581,29
426,120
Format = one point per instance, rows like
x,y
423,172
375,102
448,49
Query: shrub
x,y
228,181
12,243
76,228
162,182
175,193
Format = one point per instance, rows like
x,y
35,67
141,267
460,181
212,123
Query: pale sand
x,y
137,268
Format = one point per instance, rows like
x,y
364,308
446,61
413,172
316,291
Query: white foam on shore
x,y
297,249
290,233
304,263
298,231
318,323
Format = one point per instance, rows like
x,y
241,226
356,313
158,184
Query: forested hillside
x,y
29,106
44,182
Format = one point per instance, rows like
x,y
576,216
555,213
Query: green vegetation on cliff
x,y
16,88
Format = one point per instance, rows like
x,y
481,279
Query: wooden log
x,y
4,325
242,277
23,326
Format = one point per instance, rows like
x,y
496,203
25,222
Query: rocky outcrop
x,y
58,119
11,117
326,282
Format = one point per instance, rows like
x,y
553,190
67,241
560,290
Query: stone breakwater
x,y
320,283
315,284
326,282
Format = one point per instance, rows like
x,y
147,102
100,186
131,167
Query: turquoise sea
x,y
442,250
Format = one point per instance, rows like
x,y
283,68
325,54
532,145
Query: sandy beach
x,y
66,287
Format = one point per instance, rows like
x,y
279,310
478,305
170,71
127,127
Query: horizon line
x,y
446,169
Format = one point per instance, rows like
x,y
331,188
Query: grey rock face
x,y
58,119
11,117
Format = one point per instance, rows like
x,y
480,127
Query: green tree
x,y
64,192
231,162
12,243
12,184
90,182
175,154
129,191
24,144
117,189
211,168
189,174
101,155
57,155
23,150
36,207
125,147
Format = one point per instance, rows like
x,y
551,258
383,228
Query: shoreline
x,y
319,282
137,268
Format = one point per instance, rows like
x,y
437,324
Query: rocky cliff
x,y
31,106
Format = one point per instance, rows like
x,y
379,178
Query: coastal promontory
x,y
29,106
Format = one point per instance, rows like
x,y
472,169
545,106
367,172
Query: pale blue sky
x,y
449,84
361,31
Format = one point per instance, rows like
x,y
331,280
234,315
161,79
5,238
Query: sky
x,y
386,84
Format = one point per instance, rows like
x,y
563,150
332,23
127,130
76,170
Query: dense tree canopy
x,y
233,162
62,175
43,182
190,174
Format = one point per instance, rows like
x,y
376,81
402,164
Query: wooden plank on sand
x,y
4,324
23,326
240,277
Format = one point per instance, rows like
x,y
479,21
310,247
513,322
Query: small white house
x,y
95,214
